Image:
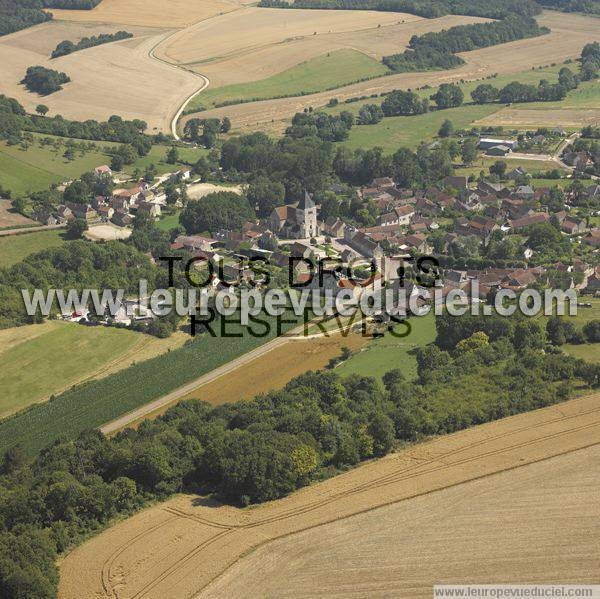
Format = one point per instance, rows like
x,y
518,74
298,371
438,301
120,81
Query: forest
x,y
259,450
20,14
44,81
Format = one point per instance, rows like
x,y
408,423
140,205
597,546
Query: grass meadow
x,y
14,248
328,71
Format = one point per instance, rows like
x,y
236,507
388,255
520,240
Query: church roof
x,y
306,202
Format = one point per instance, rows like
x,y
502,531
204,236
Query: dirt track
x,y
570,32
177,548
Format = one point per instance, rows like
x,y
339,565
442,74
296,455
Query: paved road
x,y
25,230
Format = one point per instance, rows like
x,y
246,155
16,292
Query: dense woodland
x,y
68,47
259,450
20,14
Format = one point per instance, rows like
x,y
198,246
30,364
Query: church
x,y
296,221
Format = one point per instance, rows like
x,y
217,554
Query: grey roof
x,y
306,202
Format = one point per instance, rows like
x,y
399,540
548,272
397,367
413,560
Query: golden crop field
x,y
117,78
185,547
152,13
570,32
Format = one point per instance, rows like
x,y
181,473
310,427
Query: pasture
x,y
14,248
193,546
409,131
389,352
323,72
38,361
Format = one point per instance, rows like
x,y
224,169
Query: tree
x,y
76,228
476,341
403,103
591,331
448,95
499,168
447,129
264,195
381,429
42,109
468,151
77,192
528,334
219,210
172,155
485,94
567,79
225,125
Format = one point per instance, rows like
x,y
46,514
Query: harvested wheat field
x,y
152,13
570,32
264,61
178,548
522,117
271,371
117,78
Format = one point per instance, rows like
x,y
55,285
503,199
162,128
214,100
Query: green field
x,y
61,355
531,166
97,402
388,352
14,248
394,132
169,221
328,71
37,167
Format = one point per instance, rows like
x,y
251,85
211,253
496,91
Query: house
x,y
426,207
106,212
64,213
296,221
531,219
399,216
456,182
498,151
486,143
46,217
150,208
83,211
192,243
496,189
522,277
301,250
362,244
383,182
593,238
418,243
573,226
103,170
578,160
516,173
524,192
122,218
479,226
334,227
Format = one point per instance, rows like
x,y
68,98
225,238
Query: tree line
x,y
429,9
437,50
263,449
68,47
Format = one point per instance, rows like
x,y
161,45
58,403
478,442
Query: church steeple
x,y
306,203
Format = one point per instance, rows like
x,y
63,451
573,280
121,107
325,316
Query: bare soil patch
x,y
10,217
179,547
107,233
